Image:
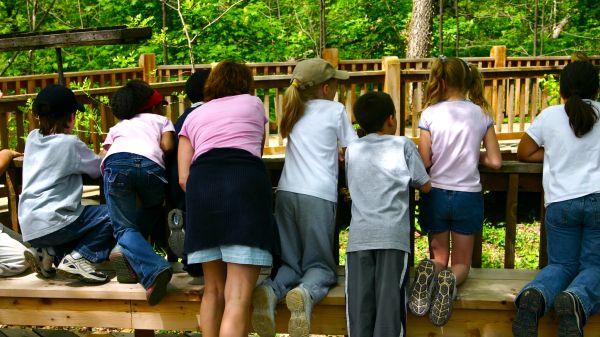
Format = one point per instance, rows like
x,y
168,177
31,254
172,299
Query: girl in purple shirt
x,y
452,129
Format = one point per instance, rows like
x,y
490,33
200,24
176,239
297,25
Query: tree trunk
x,y
419,31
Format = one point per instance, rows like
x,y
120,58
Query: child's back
x,y
311,165
458,128
380,170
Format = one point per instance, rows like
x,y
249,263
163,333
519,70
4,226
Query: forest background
x,y
280,30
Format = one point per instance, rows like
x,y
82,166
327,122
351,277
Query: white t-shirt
x,y
380,169
457,129
571,164
311,154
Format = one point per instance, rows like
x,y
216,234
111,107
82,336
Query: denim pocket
x,y
117,182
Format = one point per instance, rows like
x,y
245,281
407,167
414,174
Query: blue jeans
x,y
134,187
91,235
573,231
448,210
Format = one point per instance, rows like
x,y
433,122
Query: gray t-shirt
x,y
380,169
52,183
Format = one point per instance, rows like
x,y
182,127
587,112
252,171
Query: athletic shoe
x,y
158,289
264,302
443,301
422,288
177,234
299,304
40,261
530,309
80,269
118,261
571,317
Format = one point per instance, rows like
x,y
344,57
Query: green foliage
x,y
279,30
552,87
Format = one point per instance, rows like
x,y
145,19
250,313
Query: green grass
x,y
526,247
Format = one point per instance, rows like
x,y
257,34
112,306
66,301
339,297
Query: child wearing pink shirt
x,y
134,184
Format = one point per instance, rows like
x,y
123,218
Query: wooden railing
x,y
512,85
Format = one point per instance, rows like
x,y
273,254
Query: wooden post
x,y
148,64
391,85
332,56
512,200
499,55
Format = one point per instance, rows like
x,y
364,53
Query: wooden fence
x,y
512,85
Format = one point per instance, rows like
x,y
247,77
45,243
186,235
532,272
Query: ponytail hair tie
x,y
443,58
295,84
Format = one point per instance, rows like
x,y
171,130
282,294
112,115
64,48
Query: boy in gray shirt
x,y
380,169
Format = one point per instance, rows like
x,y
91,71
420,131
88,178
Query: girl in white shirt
x,y
306,197
565,138
452,129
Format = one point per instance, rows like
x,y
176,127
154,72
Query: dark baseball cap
x,y
56,100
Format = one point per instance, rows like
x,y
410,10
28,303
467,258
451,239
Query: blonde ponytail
x,y
434,92
294,100
475,89
293,109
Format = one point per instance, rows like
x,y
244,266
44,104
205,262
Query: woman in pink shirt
x,y
229,227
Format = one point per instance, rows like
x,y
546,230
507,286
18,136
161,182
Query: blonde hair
x,y
458,74
294,100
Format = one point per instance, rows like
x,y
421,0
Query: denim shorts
x,y
232,254
456,211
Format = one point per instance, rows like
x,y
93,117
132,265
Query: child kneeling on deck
x,y
134,184
53,220
380,169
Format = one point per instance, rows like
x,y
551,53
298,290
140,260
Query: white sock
x,y
75,255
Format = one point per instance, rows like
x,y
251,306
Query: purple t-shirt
x,y
232,122
457,129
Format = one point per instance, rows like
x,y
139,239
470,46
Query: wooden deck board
x,y
484,306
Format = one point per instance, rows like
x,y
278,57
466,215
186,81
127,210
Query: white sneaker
x,y
40,261
299,303
80,269
263,313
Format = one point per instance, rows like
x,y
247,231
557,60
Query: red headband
x,y
154,100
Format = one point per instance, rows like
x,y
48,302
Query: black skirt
x,y
229,202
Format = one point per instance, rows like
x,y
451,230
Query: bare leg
x,y
462,254
241,280
213,298
439,250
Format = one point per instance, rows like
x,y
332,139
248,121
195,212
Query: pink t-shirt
x,y
140,135
457,129
232,121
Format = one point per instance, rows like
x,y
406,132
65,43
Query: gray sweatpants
x,y
376,292
306,225
12,258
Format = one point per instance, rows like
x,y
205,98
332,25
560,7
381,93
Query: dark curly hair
x,y
129,98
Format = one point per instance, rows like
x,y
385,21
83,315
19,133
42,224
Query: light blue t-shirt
x,y
380,170
52,183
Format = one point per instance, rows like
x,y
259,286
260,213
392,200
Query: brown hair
x,y
458,74
52,124
294,98
228,78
